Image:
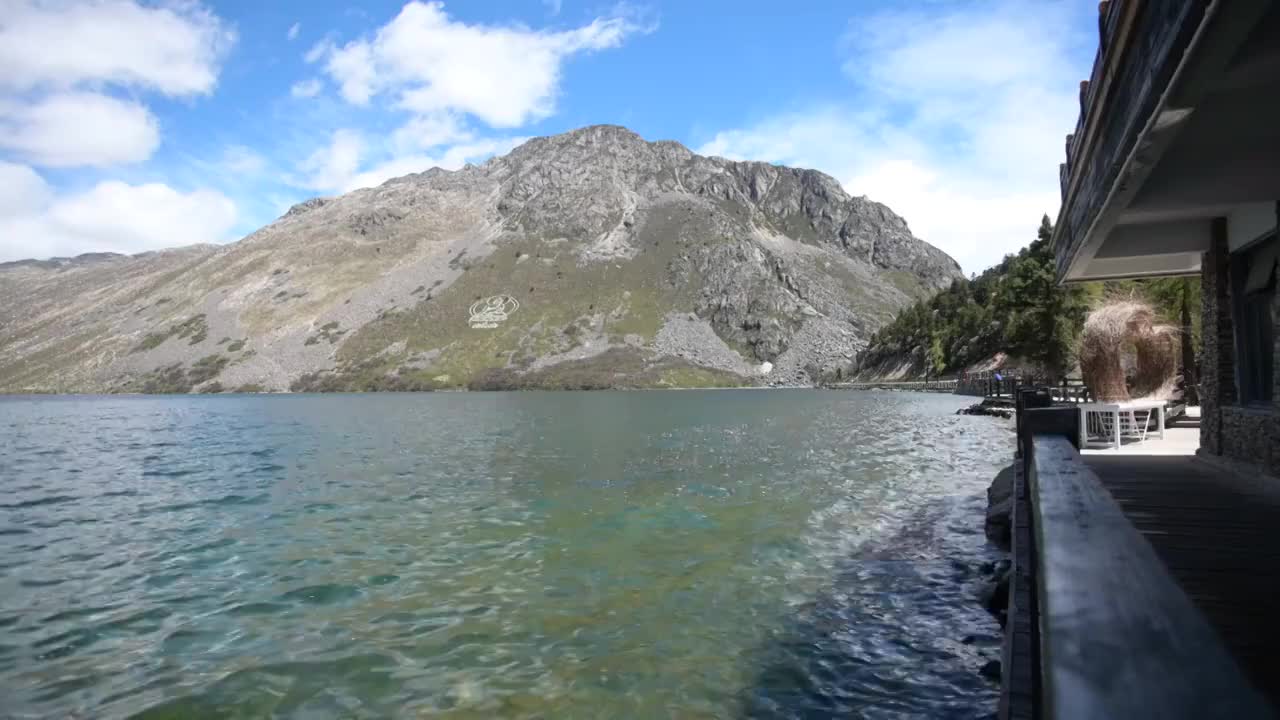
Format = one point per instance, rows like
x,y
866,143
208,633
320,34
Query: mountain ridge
x,y
641,246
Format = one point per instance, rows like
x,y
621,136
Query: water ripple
x,y
780,554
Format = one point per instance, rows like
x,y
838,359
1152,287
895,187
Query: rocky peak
x,y
608,242
586,183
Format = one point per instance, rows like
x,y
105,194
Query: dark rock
x,y
999,520
995,595
307,206
370,221
991,670
968,639
983,408
1001,487
999,523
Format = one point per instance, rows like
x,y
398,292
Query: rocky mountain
x,y
589,259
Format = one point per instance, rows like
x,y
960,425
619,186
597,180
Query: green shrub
x,y
193,327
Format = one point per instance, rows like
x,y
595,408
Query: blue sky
x,y
130,126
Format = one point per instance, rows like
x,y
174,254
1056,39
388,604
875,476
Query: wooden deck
x,y
1219,536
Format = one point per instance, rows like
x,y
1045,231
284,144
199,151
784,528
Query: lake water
x,y
783,553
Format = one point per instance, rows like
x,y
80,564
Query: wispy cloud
x,y
306,88
452,157
294,29
242,160
453,91
958,124
352,160
331,167
426,61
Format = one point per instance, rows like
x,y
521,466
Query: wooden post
x,y
1035,418
1217,352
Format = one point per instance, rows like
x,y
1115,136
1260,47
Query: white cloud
x,y
22,190
337,167
59,55
330,168
129,218
452,158
305,88
428,131
958,129
318,51
294,29
242,160
174,49
448,78
79,128
352,67
503,75
110,217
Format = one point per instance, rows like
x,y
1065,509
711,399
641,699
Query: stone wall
x,y
1249,435
1217,353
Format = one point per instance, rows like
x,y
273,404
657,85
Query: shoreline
x,y
877,387
421,392
994,594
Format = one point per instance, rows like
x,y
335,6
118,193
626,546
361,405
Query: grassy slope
x,y
561,305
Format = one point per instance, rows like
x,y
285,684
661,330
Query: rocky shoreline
x,y
988,409
998,526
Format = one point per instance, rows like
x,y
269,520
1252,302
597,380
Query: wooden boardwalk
x,y
1219,536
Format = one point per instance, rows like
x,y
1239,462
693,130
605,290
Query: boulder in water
x,y
999,524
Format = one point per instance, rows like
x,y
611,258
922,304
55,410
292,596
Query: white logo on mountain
x,y
490,311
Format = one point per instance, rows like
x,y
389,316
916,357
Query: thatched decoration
x,y
1157,351
1112,330
1107,331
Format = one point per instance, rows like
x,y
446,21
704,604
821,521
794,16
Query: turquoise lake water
x,y
785,553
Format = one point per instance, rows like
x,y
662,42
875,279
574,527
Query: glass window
x,y
1254,289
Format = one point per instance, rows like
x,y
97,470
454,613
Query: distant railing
x,y
1071,390
1003,386
985,385
932,385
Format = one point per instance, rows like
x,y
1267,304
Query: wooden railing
x,y
989,385
1071,391
938,385
1001,386
1107,632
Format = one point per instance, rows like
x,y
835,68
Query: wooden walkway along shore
x,y
1153,581
992,387
942,386
1219,536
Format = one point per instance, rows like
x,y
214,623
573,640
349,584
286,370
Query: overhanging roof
x,y
1180,122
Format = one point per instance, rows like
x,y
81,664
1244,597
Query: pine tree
x,y
1044,317
1016,306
